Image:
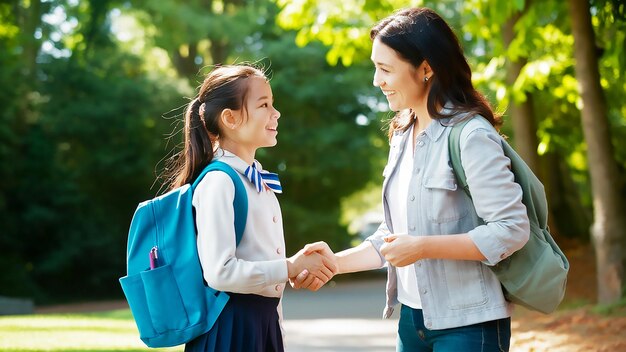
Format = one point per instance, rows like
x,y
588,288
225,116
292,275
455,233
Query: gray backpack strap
x,y
454,146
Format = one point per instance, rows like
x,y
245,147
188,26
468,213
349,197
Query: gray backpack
x,y
534,276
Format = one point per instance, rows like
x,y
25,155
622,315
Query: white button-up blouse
x,y
258,264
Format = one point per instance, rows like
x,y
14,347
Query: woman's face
x,y
402,84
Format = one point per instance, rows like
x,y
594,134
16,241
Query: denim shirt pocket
x,y
444,199
466,284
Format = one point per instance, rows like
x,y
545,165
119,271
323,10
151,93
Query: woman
x,y
437,253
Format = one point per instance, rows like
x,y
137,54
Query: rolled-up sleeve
x,y
376,239
497,198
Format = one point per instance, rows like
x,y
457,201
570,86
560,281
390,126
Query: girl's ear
x,y
230,118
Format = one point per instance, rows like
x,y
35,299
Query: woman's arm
x,y
360,258
495,195
402,250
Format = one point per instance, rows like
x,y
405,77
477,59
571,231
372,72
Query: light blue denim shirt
x,y
458,292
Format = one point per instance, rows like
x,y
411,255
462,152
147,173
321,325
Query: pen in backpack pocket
x,y
153,258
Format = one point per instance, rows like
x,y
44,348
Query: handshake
x,y
312,267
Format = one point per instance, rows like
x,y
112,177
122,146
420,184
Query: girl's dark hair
x,y
225,87
419,34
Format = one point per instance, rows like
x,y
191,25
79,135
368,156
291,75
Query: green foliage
x,y
79,152
342,26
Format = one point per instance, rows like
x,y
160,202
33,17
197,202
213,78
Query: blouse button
x,y
278,250
275,218
277,287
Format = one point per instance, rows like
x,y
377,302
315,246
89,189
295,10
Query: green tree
x,y
78,152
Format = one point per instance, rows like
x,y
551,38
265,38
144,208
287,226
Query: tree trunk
x,y
186,64
609,224
523,118
522,113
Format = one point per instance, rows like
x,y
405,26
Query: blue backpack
x,y
164,287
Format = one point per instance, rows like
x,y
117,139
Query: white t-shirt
x,y
408,293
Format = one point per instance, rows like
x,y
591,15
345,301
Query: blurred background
x,y
92,95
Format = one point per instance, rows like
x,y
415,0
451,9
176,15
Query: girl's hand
x,y
401,250
304,280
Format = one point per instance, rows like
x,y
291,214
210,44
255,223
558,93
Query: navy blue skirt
x,y
248,323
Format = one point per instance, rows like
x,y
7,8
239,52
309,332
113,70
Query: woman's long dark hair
x,y
225,87
419,34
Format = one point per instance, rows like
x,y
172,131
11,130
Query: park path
x,y
342,316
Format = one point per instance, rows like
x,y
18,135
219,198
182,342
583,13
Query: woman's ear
x,y
230,118
426,71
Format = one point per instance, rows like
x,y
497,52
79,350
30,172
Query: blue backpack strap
x,y
240,203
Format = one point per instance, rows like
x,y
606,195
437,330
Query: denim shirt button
x,y
412,198
412,228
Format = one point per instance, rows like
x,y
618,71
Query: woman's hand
x,y
401,250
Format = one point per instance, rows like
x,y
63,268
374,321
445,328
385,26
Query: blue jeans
x,y
489,336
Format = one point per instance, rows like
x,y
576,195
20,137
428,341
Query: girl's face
x,y
401,83
258,122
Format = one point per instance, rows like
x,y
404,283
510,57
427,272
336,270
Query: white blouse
x,y
258,264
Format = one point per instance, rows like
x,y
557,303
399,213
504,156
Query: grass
x,y
617,309
103,331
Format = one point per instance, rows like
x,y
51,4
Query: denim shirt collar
x,y
434,130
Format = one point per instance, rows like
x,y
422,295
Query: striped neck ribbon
x,y
262,178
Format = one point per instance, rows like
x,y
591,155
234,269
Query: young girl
x,y
232,116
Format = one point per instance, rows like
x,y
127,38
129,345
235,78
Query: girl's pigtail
x,y
198,142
